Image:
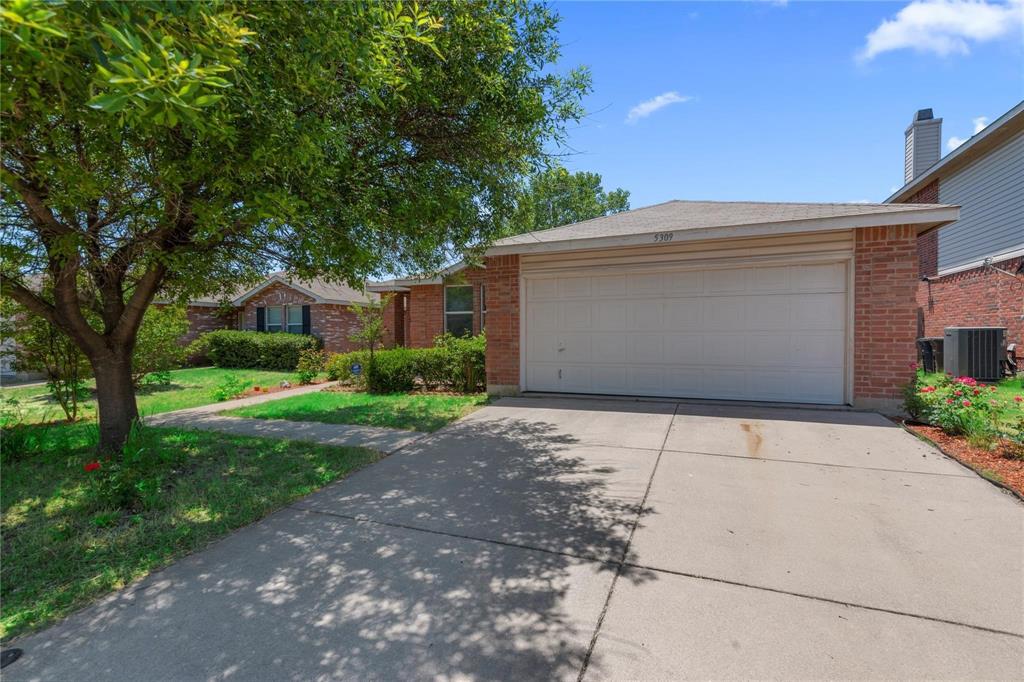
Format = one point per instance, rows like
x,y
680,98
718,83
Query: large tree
x,y
177,148
555,196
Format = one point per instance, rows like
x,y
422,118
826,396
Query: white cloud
x,y
954,142
979,123
944,27
648,107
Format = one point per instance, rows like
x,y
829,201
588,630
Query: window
x,y
458,310
294,319
483,306
274,318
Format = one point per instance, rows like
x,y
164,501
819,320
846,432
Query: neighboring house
x,y
283,304
809,303
970,270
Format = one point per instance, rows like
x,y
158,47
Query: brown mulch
x,y
274,388
1000,464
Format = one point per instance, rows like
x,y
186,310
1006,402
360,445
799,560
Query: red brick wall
x,y
885,313
979,297
333,323
395,318
202,319
425,313
503,323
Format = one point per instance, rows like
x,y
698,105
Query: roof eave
x,y
922,218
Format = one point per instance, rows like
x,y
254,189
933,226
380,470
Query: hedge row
x,y
256,350
453,363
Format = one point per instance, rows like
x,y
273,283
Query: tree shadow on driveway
x,y
485,551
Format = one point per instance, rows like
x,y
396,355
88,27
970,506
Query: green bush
x,y
432,366
257,350
465,371
392,371
311,363
339,366
229,387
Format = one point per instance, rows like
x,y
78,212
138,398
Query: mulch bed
x,y
999,464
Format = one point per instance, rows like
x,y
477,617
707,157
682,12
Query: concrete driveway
x,y
543,538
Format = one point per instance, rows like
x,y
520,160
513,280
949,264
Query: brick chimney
x,y
923,144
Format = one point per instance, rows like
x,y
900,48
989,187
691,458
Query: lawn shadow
x,y
483,551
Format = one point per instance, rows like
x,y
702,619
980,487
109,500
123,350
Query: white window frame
x,y
447,312
287,320
266,320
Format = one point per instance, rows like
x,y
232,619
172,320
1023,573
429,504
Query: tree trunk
x,y
115,396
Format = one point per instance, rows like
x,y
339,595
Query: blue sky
x,y
780,101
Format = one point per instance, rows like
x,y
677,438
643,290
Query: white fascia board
x,y
995,258
930,217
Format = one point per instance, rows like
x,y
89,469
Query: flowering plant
x,y
961,406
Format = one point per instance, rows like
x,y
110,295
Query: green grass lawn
x,y
416,411
65,544
188,388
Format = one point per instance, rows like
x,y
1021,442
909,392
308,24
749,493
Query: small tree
x,y
158,348
39,346
372,329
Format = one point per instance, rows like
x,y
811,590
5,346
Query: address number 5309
x,y
663,236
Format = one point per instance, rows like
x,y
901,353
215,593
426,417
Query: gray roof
x,y
675,216
321,290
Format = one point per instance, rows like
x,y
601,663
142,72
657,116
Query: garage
x,y
768,332
796,303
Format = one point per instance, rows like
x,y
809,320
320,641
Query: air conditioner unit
x,y
974,352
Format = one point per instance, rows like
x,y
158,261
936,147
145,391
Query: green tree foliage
x,y
555,197
370,328
182,148
158,347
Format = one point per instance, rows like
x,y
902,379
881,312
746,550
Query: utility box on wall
x,y
975,352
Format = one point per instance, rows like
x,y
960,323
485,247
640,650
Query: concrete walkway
x,y
207,418
546,539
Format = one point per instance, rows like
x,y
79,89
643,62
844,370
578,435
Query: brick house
x,y
803,303
284,304
971,272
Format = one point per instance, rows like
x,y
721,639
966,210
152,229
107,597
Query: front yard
x,y
188,388
413,411
71,535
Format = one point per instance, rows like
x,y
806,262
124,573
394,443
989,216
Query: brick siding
x,y
502,324
425,312
885,315
980,297
202,319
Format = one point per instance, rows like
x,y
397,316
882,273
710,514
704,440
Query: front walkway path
x,y
207,418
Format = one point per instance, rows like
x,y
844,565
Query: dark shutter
x,y
305,320
261,319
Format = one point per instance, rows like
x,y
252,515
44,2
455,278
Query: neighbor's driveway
x,y
772,543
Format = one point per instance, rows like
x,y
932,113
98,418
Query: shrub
x,y
158,346
466,355
229,387
311,362
960,407
339,366
256,350
433,367
392,371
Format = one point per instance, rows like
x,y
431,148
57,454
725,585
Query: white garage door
x,y
772,333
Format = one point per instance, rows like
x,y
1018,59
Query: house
x,y
285,304
808,303
970,271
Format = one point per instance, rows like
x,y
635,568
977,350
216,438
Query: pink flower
x,y
1018,399
949,401
967,403
977,391
958,392
913,365
92,466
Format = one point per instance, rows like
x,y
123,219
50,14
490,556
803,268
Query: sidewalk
x,y
207,418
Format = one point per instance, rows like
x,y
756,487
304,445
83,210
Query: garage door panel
x,y
774,333
576,315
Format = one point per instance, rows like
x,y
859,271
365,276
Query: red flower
x,y
913,365
949,401
958,392
92,466
967,403
977,391
1018,399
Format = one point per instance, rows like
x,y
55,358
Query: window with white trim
x,y
294,319
274,316
458,309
